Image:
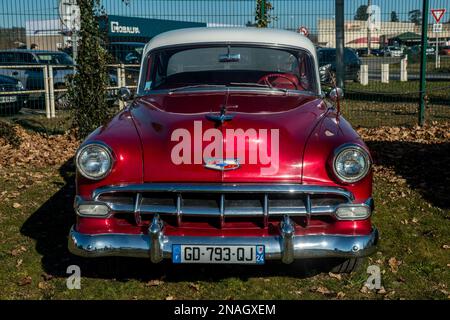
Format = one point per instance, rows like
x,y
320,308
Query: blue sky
x,y
290,13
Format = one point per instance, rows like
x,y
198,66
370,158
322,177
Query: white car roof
x,y
230,35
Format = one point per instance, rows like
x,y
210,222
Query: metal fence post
x,y
51,89
120,83
364,74
423,62
47,92
403,69
385,73
339,43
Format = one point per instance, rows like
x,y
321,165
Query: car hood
x,y
264,140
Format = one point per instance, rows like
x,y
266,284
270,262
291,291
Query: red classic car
x,y
229,153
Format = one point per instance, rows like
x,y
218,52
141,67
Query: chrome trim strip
x,y
266,210
308,209
140,245
223,188
137,209
222,210
178,209
236,212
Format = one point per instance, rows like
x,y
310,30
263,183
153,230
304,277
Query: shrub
x,y
87,90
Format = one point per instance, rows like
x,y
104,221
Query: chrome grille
x,y
223,200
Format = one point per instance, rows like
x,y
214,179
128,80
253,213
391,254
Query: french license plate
x,y
8,99
235,254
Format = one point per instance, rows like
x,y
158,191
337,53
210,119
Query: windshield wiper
x,y
196,86
259,85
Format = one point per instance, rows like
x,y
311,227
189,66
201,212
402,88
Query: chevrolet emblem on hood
x,y
221,164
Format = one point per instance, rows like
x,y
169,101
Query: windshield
x,y
54,58
229,65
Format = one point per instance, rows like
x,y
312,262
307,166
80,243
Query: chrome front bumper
x,y
285,247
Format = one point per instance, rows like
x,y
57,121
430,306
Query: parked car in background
x,y
230,154
327,64
445,51
364,52
393,51
33,78
11,103
377,52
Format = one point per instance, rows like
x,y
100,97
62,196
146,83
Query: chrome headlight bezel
x,y
360,151
102,147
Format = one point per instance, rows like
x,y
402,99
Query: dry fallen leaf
x,y
19,263
446,246
47,277
16,205
194,286
154,283
340,295
25,281
335,275
170,298
322,290
381,291
394,264
41,285
364,289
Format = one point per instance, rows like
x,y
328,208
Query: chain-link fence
x,y
382,55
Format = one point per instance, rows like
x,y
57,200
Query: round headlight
x,y
94,161
351,163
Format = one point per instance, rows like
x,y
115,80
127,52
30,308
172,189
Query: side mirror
x,y
124,94
336,93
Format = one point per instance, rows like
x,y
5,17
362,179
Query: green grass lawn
x,y
394,103
414,64
409,89
412,214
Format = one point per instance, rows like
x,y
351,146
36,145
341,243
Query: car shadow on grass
x,y
50,225
425,167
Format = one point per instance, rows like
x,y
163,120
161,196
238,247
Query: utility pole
x,y
339,26
423,62
369,24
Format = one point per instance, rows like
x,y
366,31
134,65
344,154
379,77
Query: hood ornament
x,y
222,116
221,164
